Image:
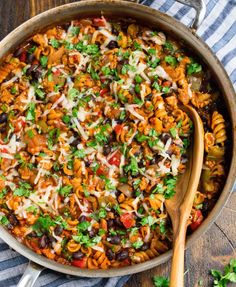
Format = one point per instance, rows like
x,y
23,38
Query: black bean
x,y
51,239
87,163
122,255
32,69
205,208
82,218
115,31
29,58
110,223
144,247
110,254
19,52
165,137
3,129
3,118
13,220
115,239
75,142
112,45
43,241
78,255
92,233
118,222
106,149
33,234
58,230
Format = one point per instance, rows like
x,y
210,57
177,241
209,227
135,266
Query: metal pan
x,y
116,8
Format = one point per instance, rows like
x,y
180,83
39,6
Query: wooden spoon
x,y
180,205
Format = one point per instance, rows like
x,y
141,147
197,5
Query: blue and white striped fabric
x,y
219,31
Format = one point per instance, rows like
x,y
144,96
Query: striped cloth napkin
x,y
219,31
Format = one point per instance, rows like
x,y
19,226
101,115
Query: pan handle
x,y
30,275
200,8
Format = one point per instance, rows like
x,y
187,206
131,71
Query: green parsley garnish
x,y
137,244
54,43
43,223
4,220
229,275
24,189
171,60
193,68
30,115
65,190
160,281
53,136
44,61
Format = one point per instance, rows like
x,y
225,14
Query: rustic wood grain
x,y
215,248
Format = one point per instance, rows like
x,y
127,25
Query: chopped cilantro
x,y
116,207
141,138
44,61
24,189
66,119
33,209
106,71
13,90
160,281
137,244
30,115
137,88
53,136
3,193
43,223
54,43
151,51
79,153
229,275
132,166
73,93
165,90
83,226
162,227
138,79
4,220
40,93
171,60
137,46
169,46
65,190
102,212
32,49
173,132
170,183
148,220
74,30
194,68
123,179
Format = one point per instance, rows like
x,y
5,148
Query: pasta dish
x,y
93,140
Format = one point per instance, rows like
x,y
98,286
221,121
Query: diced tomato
x,y
81,263
102,170
115,159
57,73
166,84
197,220
99,22
4,150
19,124
103,91
118,129
23,56
128,220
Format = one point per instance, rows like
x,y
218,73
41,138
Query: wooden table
x,y
215,248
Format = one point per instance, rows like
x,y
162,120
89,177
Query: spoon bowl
x,y
180,205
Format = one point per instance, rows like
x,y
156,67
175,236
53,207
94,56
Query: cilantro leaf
x,y
43,223
54,43
171,60
30,115
24,189
65,190
194,68
44,61
160,281
4,220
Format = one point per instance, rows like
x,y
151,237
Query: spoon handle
x,y
177,269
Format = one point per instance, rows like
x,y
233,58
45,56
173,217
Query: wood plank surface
x,y
215,248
